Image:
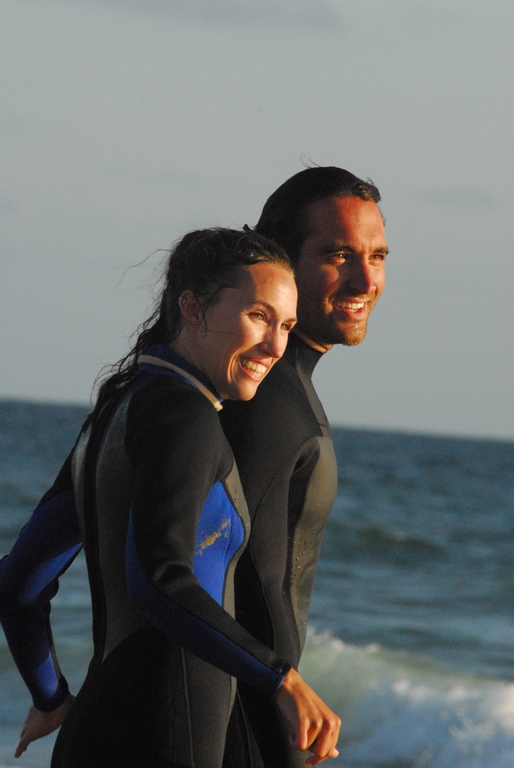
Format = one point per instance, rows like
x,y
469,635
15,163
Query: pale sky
x,y
125,123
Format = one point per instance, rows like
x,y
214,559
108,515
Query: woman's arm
x,y
312,724
180,454
44,549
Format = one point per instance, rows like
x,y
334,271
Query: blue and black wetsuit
x,y
161,514
283,448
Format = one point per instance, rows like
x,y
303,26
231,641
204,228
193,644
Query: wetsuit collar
x,y
158,356
310,342
302,356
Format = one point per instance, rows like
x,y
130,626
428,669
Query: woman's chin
x,y
242,391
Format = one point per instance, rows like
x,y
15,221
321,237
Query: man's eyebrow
x,y
339,248
332,247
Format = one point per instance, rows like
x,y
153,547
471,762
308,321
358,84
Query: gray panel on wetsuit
x,y
234,490
307,534
113,494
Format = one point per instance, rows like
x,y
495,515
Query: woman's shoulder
x,y
160,402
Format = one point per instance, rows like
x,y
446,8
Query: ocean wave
x,y
386,538
402,710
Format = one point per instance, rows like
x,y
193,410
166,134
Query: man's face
x,y
340,271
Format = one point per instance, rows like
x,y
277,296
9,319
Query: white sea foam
x,y
406,711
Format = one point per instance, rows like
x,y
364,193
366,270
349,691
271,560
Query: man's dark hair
x,y
283,216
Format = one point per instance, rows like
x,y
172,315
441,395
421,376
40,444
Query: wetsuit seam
x,y
188,706
91,537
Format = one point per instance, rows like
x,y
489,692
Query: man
x,y
329,222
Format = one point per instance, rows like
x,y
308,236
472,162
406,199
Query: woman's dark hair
x,y
204,261
283,217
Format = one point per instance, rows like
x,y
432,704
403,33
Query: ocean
x,y
411,636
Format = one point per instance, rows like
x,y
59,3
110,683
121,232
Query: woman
x,y
155,499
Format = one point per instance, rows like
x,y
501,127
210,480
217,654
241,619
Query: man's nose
x,y
360,277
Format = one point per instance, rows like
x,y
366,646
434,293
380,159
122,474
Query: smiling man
x,y
340,270
329,222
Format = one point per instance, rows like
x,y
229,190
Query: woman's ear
x,y
190,308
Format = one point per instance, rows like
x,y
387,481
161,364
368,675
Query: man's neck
x,y
310,342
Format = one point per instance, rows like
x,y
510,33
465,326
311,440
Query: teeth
x,y
351,305
257,368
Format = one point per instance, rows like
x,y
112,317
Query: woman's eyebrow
x,y
269,307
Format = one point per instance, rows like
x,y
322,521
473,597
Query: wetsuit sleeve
x,y
160,548
44,549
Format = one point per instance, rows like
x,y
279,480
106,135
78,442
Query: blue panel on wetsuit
x,y
44,548
219,535
52,529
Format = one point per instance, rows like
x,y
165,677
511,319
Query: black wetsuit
x,y
283,448
163,520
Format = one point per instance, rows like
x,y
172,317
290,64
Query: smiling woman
x,y
238,339
215,281
152,493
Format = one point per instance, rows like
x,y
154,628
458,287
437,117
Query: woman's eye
x,y
287,327
258,315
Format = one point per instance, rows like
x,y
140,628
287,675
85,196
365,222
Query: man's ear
x,y
190,308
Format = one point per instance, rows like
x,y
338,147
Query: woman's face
x,y
246,331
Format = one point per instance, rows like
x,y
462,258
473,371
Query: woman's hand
x,y
39,724
313,726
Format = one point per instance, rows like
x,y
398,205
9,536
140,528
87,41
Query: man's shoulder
x,y
282,384
279,412
281,389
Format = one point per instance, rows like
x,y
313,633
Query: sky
x,y
126,123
